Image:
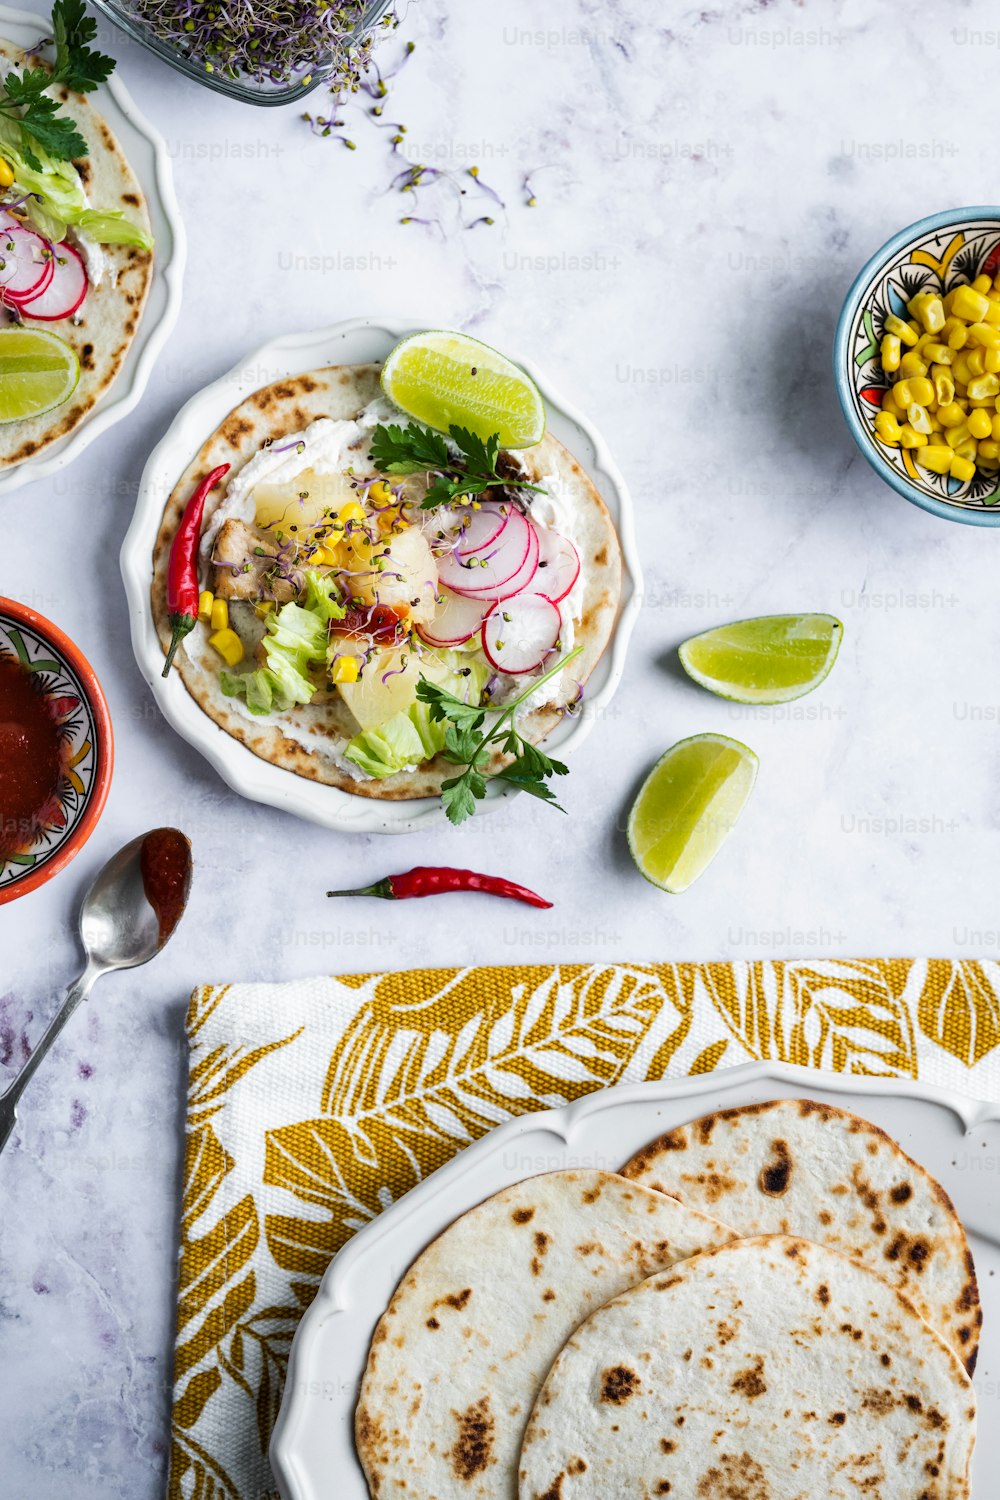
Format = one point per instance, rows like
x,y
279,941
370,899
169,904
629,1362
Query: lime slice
x,y
686,808
447,379
768,660
37,372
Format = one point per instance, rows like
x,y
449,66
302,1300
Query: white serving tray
x,y
146,150
360,341
956,1138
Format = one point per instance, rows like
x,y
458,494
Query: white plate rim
x,y
115,103
243,771
333,1296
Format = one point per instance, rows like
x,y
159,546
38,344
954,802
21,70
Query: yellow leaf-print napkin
x,y
312,1106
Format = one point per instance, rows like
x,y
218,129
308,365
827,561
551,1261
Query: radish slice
x,y
558,565
484,571
65,291
26,266
477,529
519,633
522,578
455,621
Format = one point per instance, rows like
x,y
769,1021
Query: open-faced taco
x,y
75,242
333,585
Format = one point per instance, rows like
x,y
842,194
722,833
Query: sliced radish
x,y
518,634
456,620
484,527
65,291
558,565
518,583
482,572
26,266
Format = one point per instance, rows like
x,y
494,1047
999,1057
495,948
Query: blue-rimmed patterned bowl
x,y
937,253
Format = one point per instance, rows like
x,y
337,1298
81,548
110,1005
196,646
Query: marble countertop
x,y
705,193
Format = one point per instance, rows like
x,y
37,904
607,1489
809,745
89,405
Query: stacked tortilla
x,y
587,1334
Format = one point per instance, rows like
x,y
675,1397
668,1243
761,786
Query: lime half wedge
x,y
37,372
772,659
447,379
687,807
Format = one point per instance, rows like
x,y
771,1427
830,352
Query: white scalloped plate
x,y
146,150
360,341
956,1138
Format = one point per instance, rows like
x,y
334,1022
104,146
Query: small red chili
x,y
427,881
182,565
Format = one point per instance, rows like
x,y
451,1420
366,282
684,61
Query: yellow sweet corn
x,y
962,468
887,428
890,351
938,353
205,601
979,424
220,615
228,645
985,334
352,511
935,457
991,359
975,361
263,608
996,426
944,386
324,557
380,492
918,389
889,402
951,413
6,175
918,417
958,336
902,330
911,364
968,303
928,309
983,387
993,311
959,434
911,439
982,284
967,449
989,449
345,669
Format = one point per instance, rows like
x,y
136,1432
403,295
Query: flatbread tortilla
x,y
105,325
798,1167
287,407
459,1357
769,1369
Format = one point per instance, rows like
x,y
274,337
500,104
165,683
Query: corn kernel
x,y
979,424
933,423
6,174
352,511
902,330
890,351
263,608
982,333
962,468
958,336
220,615
380,492
887,427
991,359
935,457
205,601
323,557
918,417
911,439
928,309
918,389
944,386
993,464
968,303
967,449
345,669
993,311
960,368
889,402
911,364
989,449
228,645
938,353
951,414
983,386
996,426
982,284
957,434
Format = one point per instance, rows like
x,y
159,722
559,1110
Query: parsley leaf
x,y
467,745
415,449
23,99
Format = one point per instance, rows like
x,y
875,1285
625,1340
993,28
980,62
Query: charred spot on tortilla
x,y
472,1450
776,1174
619,1384
523,1215
750,1382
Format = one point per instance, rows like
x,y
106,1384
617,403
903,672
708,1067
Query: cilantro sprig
x,y
78,66
469,743
415,449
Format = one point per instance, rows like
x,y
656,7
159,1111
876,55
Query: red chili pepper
x,y
425,881
182,565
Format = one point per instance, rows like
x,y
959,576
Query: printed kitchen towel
x,y
312,1106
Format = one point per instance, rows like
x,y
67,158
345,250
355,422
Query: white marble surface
x,y
709,188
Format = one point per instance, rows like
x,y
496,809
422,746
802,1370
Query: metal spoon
x,y
128,914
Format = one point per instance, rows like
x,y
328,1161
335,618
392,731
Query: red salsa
x,y
165,864
32,759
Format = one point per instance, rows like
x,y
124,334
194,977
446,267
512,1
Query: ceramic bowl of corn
x,y
917,364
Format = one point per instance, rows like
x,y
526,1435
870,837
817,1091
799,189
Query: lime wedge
x,y
768,660
686,808
447,379
37,372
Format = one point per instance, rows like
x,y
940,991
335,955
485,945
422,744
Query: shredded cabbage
x,y
64,202
296,640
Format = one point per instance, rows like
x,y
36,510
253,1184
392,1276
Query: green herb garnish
x,y
415,450
467,745
77,66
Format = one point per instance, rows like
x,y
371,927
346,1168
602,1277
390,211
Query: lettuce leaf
x,y
296,640
64,203
410,738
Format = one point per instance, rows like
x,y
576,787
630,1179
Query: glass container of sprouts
x,y
256,51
